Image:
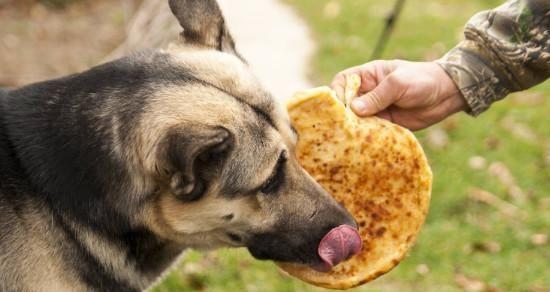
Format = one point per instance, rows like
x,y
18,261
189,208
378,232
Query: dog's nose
x,y
338,245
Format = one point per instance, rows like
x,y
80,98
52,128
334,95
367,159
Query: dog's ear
x,y
203,24
195,158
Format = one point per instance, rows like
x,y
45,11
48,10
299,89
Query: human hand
x,y
415,95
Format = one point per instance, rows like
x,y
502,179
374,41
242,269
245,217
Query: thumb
x,y
378,99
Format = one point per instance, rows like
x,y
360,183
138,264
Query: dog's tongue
x,y
338,245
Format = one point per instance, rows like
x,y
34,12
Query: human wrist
x,y
449,90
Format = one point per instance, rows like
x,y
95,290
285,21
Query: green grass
x,y
449,244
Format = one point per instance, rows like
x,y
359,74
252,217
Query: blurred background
x,y
489,222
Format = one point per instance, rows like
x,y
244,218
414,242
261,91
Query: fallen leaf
x,y
252,288
539,239
196,282
353,41
450,124
519,130
437,138
528,98
192,268
492,143
486,247
477,162
331,9
422,269
503,174
470,284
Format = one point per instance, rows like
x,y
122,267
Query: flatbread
x,y
375,168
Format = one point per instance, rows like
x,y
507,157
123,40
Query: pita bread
x,y
375,168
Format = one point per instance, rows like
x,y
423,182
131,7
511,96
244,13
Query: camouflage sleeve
x,y
506,49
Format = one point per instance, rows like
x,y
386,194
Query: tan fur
x,y
176,107
111,256
201,224
35,263
189,222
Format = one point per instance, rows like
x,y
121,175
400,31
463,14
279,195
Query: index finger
x,y
338,83
371,74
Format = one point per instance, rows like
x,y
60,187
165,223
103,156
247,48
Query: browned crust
x,y
389,204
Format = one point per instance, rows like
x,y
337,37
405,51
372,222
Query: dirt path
x,y
274,40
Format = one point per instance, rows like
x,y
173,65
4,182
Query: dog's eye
x,y
276,179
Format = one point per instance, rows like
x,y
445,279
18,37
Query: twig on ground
x,y
501,205
504,175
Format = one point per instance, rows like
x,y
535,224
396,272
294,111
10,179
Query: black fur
x,y
55,151
65,146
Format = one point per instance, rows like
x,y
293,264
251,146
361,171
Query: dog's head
x,y
183,142
223,153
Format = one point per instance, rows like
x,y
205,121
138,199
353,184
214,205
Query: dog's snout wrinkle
x,y
314,214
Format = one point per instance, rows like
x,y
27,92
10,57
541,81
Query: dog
x,y
108,175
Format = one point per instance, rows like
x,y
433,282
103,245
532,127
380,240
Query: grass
x,y
464,244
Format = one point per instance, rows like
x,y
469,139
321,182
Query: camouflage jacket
x,y
506,49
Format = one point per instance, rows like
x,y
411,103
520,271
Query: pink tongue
x,y
338,245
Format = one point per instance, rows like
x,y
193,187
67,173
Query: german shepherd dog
x,y
107,176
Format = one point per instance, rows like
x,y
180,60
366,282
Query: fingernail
x,y
358,106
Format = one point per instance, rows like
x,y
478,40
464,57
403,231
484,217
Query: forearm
x,y
505,50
